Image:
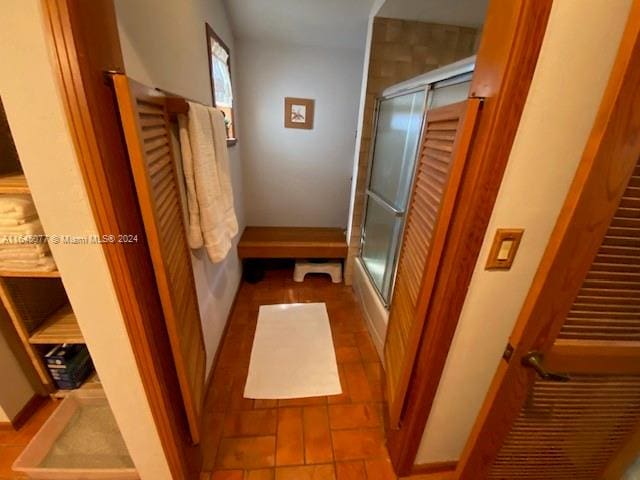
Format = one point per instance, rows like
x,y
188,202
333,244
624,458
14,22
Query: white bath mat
x,y
292,354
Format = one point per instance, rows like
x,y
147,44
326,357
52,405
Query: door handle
x,y
534,360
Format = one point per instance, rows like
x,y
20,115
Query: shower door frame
x,y
397,241
457,77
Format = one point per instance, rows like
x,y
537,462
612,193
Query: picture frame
x,y
298,112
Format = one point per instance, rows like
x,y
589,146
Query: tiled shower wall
x,y
400,50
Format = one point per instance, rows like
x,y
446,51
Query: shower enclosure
x,y
399,117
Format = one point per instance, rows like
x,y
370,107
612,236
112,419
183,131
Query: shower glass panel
x,y
381,226
398,128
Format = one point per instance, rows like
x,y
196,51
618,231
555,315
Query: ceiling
x,y
324,23
468,13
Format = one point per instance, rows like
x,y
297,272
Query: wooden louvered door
x,y
146,127
576,414
445,142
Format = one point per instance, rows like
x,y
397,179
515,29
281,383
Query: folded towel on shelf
x,y
44,264
33,227
24,251
41,249
209,197
16,207
16,221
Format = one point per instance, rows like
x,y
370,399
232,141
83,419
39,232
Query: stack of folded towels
x,y
22,243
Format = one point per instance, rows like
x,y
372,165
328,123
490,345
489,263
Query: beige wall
x,y
164,45
35,112
296,177
16,390
574,64
633,473
399,50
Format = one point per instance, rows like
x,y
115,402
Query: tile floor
x,y
12,442
335,437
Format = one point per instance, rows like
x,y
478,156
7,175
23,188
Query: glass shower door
x,y
397,135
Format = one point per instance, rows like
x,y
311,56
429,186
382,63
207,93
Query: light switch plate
x,y
503,249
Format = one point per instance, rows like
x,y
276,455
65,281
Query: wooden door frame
x,y
84,43
506,60
608,161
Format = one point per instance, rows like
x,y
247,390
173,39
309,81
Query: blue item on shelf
x,y
69,365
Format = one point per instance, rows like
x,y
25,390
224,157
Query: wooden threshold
x,y
292,242
435,471
60,327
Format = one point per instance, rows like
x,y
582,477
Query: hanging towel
x,y
224,175
210,205
194,232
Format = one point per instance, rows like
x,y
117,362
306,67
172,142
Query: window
x,y
220,75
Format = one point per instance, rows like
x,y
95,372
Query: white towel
x,y
33,227
40,249
16,221
24,251
44,264
224,175
194,233
209,195
17,206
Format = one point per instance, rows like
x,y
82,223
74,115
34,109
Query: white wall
x,y
295,177
577,54
16,390
38,122
164,45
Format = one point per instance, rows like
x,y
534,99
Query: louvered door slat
x,y
446,138
616,294
570,431
147,131
152,133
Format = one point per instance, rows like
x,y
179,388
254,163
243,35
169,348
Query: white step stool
x,y
334,269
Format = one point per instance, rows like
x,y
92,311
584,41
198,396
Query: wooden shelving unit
x,y
13,183
29,274
38,307
61,327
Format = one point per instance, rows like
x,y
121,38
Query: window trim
x,y
211,34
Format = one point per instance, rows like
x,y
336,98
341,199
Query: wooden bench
x,y
292,242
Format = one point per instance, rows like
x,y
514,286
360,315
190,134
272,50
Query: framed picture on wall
x,y
298,112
